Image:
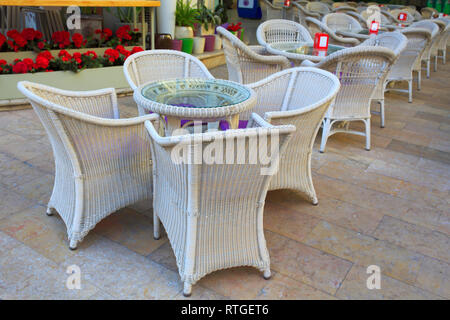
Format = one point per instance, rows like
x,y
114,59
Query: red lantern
x,y
374,26
402,16
321,41
287,3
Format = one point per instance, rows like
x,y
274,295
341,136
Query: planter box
x,y
88,79
11,56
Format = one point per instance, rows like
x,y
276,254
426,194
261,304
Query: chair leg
x,y
267,274
50,211
187,290
410,91
428,68
444,56
367,123
435,63
381,113
419,80
156,227
73,245
325,132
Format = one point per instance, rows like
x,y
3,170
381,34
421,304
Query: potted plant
x,y
198,45
207,19
185,18
237,30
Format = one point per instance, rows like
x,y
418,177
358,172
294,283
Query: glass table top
x,y
305,48
196,93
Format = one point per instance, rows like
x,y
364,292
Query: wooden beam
x,y
82,3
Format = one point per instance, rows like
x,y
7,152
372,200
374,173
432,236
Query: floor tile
x,y
306,264
420,239
355,287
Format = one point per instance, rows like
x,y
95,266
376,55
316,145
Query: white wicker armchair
x,y
274,10
345,9
301,13
102,163
434,30
280,30
319,7
443,34
344,25
359,69
212,209
444,40
247,64
298,96
428,13
396,42
152,65
410,59
409,17
315,26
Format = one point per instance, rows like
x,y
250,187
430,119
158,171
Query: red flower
x,y
136,30
41,63
61,38
64,55
111,54
20,41
28,34
91,53
77,57
2,62
136,49
20,67
38,35
40,45
123,33
45,54
234,27
78,40
2,40
29,62
12,33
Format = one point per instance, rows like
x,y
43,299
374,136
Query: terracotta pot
x,y
209,42
177,44
199,45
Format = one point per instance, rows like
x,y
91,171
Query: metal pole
x,y
144,32
152,17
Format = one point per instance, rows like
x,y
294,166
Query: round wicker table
x,y
297,52
183,101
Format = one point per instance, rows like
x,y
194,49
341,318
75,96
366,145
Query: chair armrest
x,y
353,35
307,63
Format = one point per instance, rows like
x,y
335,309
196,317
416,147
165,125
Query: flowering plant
x,y
46,62
32,40
234,27
28,39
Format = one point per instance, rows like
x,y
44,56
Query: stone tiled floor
x,y
388,207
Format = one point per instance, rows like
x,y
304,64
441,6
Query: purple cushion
x,y
223,125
